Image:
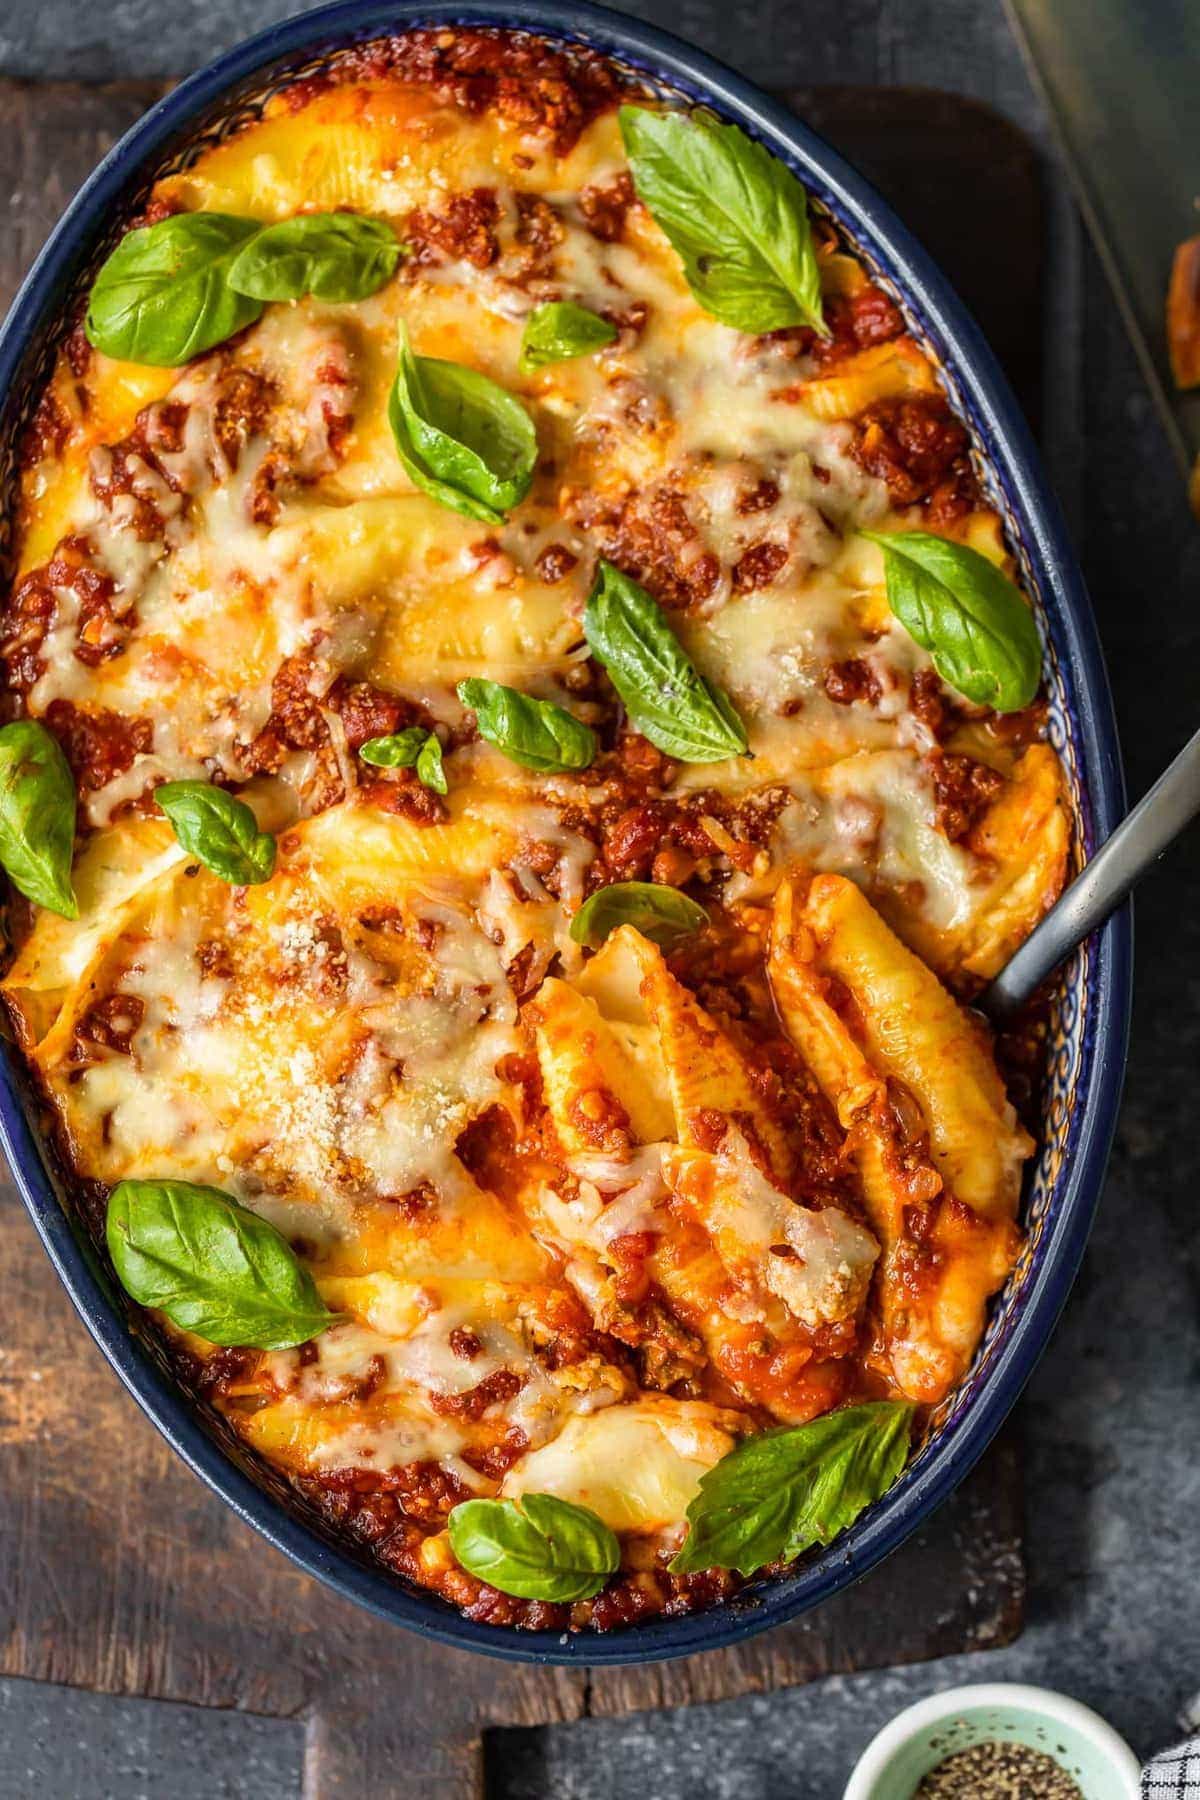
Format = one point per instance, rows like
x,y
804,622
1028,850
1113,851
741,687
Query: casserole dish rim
x,y
1005,439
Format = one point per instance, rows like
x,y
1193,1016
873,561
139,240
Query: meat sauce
x,y
464,227
651,535
922,452
551,91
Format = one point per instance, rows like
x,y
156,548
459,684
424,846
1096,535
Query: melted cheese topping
x,y
580,1285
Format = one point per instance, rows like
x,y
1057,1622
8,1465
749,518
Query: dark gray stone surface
x,y
60,1744
1112,1419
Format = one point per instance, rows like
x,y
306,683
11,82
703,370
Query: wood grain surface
x,y
119,1572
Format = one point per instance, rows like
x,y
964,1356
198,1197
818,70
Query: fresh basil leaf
x,y
399,750
163,297
780,1493
464,441
430,772
660,913
535,733
666,697
37,816
334,256
560,330
736,215
219,829
549,1549
967,614
411,748
212,1266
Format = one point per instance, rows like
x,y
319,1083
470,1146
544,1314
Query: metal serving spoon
x,y
1099,889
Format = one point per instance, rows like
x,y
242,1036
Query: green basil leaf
x,y
780,1493
560,330
334,256
164,297
430,772
411,748
212,1266
736,215
549,1549
399,750
660,913
535,733
969,616
37,816
666,697
219,829
464,441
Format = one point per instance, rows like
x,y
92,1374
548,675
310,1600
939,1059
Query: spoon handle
x,y
1098,889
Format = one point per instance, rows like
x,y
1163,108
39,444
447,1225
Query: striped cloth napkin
x,y
1174,1774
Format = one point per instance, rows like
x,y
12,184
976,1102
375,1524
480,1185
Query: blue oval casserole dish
x,y
1091,1007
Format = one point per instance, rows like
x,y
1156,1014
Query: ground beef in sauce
x,y
932,704
462,227
98,745
539,233
760,498
243,403
107,1028
855,322
399,791
758,566
665,839
921,451
554,563
851,680
493,1390
495,1460
420,1492
551,90
48,430
368,712
605,208
651,536
77,350
298,722
397,1512
963,791
101,629
295,721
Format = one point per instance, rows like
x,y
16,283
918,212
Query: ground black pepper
x,y
998,1771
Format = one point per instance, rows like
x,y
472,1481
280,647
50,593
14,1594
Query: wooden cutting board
x,y
119,1572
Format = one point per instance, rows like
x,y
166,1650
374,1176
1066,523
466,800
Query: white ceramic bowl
x,y
895,1761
